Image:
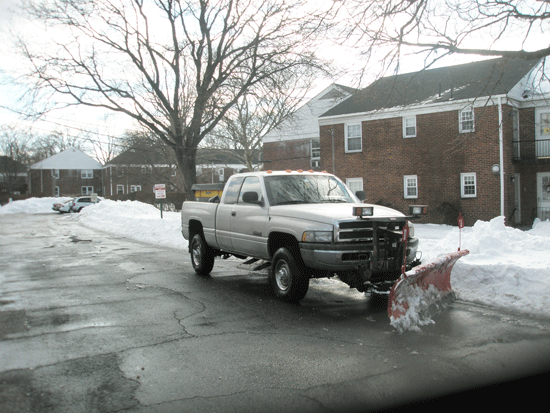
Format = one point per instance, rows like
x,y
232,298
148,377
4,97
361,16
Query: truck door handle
x,y
233,213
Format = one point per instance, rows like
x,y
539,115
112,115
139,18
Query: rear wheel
x,y
202,256
288,281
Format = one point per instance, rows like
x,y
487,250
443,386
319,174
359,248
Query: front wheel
x,y
288,281
202,256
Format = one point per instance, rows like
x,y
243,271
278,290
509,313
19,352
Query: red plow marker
x,y
421,291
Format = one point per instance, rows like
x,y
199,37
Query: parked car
x,y
84,201
63,206
76,204
57,205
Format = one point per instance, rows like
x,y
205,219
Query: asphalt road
x,y
91,322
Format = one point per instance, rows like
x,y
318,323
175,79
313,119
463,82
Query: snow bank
x,y
134,220
506,268
31,206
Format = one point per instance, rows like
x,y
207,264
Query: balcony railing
x,y
531,149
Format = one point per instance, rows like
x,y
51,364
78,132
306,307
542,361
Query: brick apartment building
x,y
139,169
68,173
471,138
296,143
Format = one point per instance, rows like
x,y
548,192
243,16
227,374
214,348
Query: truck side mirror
x,y
362,195
251,197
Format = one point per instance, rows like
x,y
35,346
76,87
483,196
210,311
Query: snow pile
x,y
135,220
506,268
31,205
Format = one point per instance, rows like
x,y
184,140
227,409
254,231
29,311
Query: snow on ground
x,y
506,268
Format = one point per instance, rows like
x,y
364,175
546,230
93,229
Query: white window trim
x,y
462,186
405,118
354,181
121,187
86,173
86,190
405,186
538,115
360,138
460,128
311,148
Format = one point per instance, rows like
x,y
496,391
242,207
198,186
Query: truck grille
x,y
364,230
378,241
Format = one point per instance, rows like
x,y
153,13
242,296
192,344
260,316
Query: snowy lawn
x,y
506,267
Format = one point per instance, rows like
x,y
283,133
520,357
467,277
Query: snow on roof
x,y
466,81
302,124
71,158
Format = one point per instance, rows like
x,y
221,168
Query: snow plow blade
x,y
420,292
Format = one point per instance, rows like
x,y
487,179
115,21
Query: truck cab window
x,y
231,192
251,184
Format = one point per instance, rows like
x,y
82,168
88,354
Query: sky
x,y
506,268
76,121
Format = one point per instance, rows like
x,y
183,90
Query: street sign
x,y
160,191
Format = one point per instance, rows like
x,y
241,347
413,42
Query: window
x,y
409,126
466,120
410,186
119,171
87,173
56,191
353,138
87,190
120,189
355,184
468,185
231,193
135,188
55,173
251,184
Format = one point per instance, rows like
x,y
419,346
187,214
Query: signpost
x,y
160,193
460,226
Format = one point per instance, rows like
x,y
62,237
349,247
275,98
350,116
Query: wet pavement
x,y
91,322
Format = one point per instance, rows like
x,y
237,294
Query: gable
x,y
302,124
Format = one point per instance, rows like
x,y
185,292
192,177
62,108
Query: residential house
x,y
140,168
296,142
471,139
68,173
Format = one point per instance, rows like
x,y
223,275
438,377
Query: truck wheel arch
x,y
278,240
195,227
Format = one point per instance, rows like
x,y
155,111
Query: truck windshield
x,y
305,189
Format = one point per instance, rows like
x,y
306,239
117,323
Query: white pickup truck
x,y
303,225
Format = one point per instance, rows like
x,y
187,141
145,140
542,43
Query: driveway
x,y
91,322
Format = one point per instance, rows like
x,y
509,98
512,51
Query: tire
x,y
288,281
202,256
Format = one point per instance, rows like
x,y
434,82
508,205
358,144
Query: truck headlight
x,y
317,236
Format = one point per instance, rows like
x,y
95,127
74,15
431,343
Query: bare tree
x,y
255,114
15,155
174,66
437,28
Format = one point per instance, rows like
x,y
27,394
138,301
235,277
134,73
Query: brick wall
x,y
437,156
70,182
